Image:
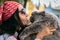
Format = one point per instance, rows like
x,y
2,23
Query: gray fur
x,y
40,20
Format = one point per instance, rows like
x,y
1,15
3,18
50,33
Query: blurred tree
x,y
13,0
29,8
23,2
1,1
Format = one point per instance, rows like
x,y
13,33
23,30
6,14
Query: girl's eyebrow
x,y
23,11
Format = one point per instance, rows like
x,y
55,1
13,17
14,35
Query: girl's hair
x,y
9,26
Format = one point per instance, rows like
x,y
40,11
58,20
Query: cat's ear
x,y
42,13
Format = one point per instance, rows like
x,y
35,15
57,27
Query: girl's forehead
x,y
20,7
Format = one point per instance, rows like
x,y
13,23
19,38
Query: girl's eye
x,y
23,11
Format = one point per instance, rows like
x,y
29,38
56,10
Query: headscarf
x,y
7,10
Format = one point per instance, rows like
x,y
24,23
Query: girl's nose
x,y
26,15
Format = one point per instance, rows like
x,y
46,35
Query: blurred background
x,y
29,5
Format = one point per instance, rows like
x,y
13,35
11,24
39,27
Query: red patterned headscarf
x,y
7,10
1,9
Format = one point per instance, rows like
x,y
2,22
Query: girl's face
x,y
23,16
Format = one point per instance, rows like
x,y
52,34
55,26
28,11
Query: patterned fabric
x,y
1,9
11,38
8,8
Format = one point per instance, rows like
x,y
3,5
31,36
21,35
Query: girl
x,y
13,19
